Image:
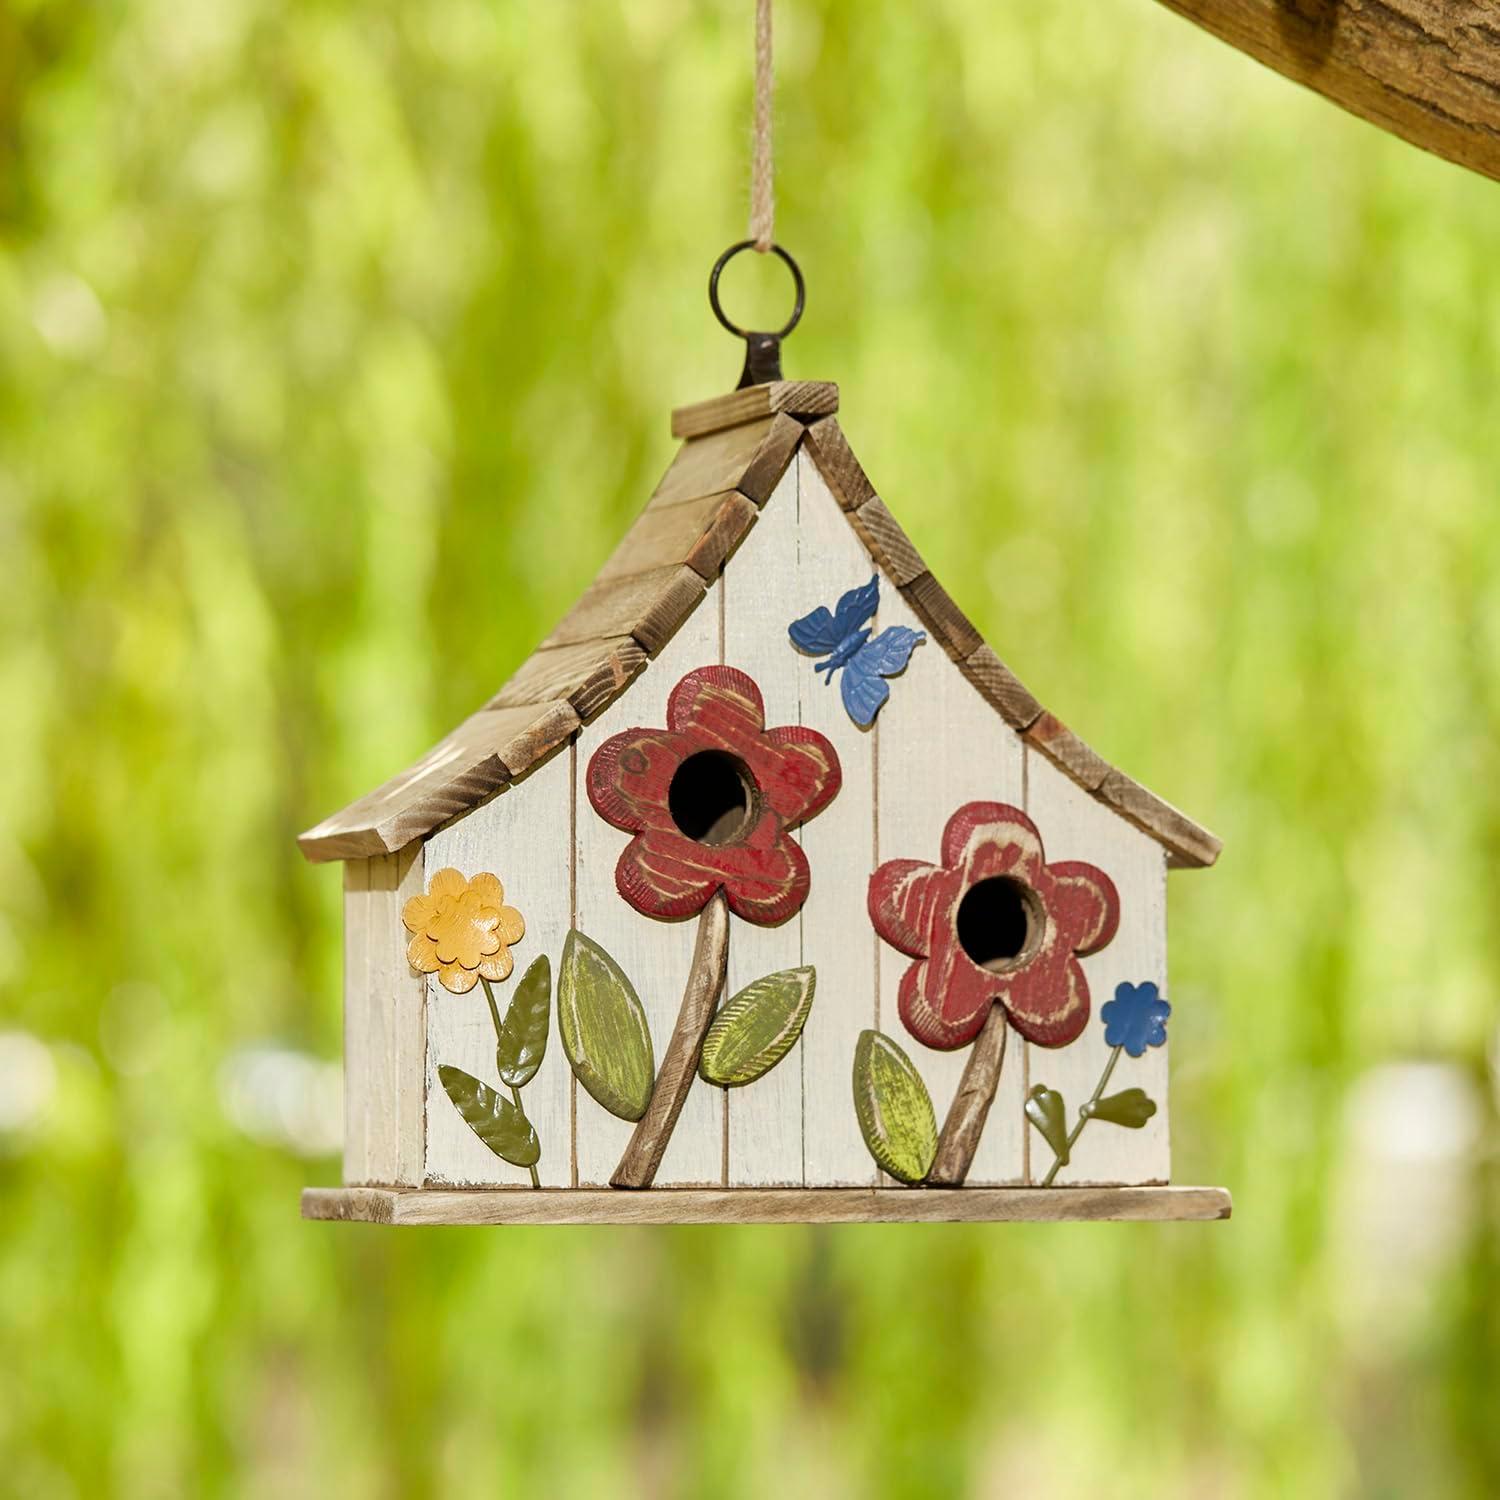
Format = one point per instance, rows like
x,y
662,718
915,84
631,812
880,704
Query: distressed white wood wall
x,y
502,836
384,1023
656,955
941,745
936,745
837,937
762,591
1075,826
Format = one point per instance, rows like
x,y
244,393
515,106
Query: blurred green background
x,y
337,346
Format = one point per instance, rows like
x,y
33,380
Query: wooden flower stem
x,y
515,1093
971,1104
674,1078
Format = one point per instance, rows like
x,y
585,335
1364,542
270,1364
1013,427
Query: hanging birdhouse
x,y
763,890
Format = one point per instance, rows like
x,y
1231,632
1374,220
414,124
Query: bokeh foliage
x,y
336,347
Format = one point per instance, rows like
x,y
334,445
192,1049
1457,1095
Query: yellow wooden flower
x,y
461,930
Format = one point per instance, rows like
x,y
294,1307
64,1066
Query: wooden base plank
x,y
767,1205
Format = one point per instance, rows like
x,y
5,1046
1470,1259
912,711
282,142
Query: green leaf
x,y
495,1120
1130,1108
603,1028
523,1035
894,1108
1046,1110
757,1028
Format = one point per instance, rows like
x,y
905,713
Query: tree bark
x,y
1425,70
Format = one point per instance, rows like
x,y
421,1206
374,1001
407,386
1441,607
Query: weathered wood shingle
x,y
737,449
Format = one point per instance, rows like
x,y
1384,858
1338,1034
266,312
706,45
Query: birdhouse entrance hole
x,y
998,922
712,797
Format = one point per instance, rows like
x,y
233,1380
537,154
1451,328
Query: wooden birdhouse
x,y
763,890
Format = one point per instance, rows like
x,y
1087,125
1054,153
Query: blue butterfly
x,y
845,638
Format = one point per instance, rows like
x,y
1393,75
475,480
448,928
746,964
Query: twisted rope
x,y
762,200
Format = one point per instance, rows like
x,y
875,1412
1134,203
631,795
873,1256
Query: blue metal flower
x,y
1136,1018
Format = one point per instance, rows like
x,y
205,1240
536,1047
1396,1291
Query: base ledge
x,y
1021,1205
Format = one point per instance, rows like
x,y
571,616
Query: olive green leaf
x,y
1130,1108
757,1028
523,1035
894,1108
495,1120
1046,1110
603,1028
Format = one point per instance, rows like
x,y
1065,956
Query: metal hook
x,y
762,350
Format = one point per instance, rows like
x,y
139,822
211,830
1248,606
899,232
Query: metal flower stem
x,y
648,1144
515,1093
1085,1113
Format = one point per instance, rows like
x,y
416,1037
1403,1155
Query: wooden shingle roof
x,y
736,449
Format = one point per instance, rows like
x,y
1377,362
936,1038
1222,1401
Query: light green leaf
x,y
495,1120
757,1028
603,1028
523,1035
1046,1110
1130,1108
894,1108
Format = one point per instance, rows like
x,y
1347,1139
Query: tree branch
x,y
1425,70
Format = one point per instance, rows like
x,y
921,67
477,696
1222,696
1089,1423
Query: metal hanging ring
x,y
713,288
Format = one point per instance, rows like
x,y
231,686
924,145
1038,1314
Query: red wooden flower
x,y
712,799
993,924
